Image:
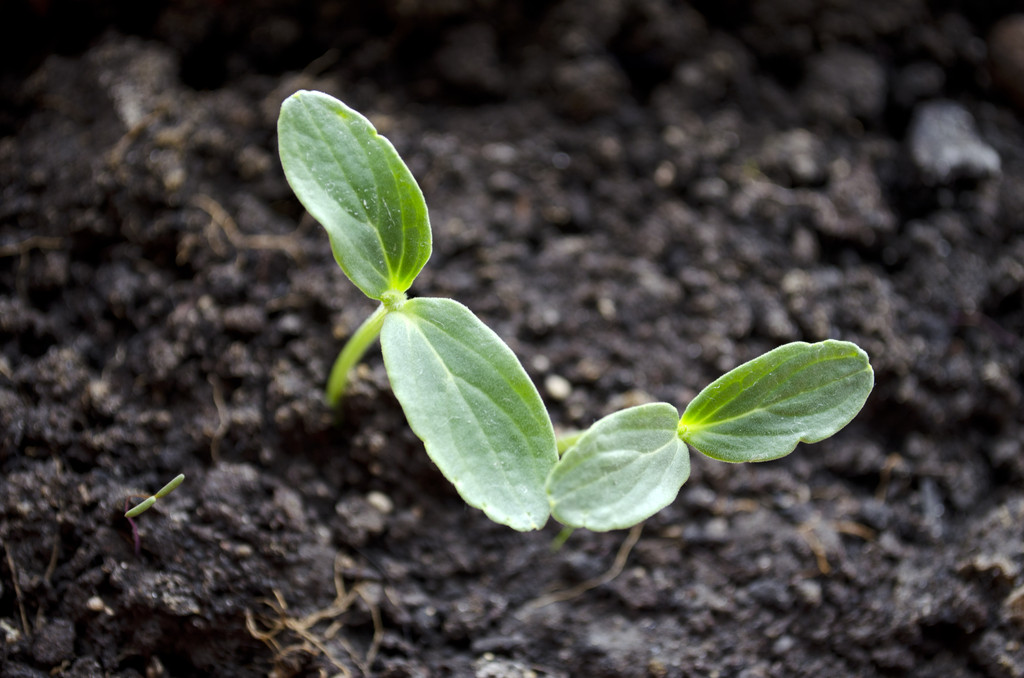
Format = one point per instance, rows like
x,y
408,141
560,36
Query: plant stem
x,y
135,529
351,353
562,537
567,441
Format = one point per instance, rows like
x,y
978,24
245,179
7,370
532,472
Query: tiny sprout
x,y
146,504
467,396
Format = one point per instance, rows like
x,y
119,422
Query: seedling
x,y
145,505
466,395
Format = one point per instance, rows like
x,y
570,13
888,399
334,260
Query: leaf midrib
x,y
701,424
492,451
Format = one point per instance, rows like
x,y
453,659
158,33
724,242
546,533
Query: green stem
x,y
351,353
567,441
562,537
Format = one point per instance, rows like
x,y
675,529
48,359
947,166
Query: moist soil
x,y
636,195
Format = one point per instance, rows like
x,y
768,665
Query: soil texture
x,y
636,195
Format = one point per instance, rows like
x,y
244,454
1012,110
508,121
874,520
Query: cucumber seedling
x,y
468,398
145,505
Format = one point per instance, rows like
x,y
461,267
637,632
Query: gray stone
x,y
945,145
54,642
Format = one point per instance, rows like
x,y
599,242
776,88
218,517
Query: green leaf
x,y
624,469
473,405
796,393
354,183
143,506
171,486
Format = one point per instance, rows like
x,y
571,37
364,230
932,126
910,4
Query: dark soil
x,y
636,195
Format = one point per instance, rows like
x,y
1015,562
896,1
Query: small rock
x,y
1014,605
102,397
809,592
665,174
54,643
504,182
361,518
796,157
783,645
558,387
489,666
771,592
381,502
945,145
245,319
710,190
1006,57
500,153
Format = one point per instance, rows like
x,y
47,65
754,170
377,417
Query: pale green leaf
x,y
471,402
796,393
352,180
170,487
142,507
623,469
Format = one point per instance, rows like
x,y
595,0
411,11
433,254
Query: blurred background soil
x,y
637,195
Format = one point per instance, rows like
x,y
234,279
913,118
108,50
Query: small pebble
x,y
1014,605
783,645
797,155
945,145
809,591
381,502
665,174
558,387
710,190
54,642
500,153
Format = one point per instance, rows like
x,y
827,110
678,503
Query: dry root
x,y
319,633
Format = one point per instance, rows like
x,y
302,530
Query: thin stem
x,y
562,537
135,529
351,353
567,441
